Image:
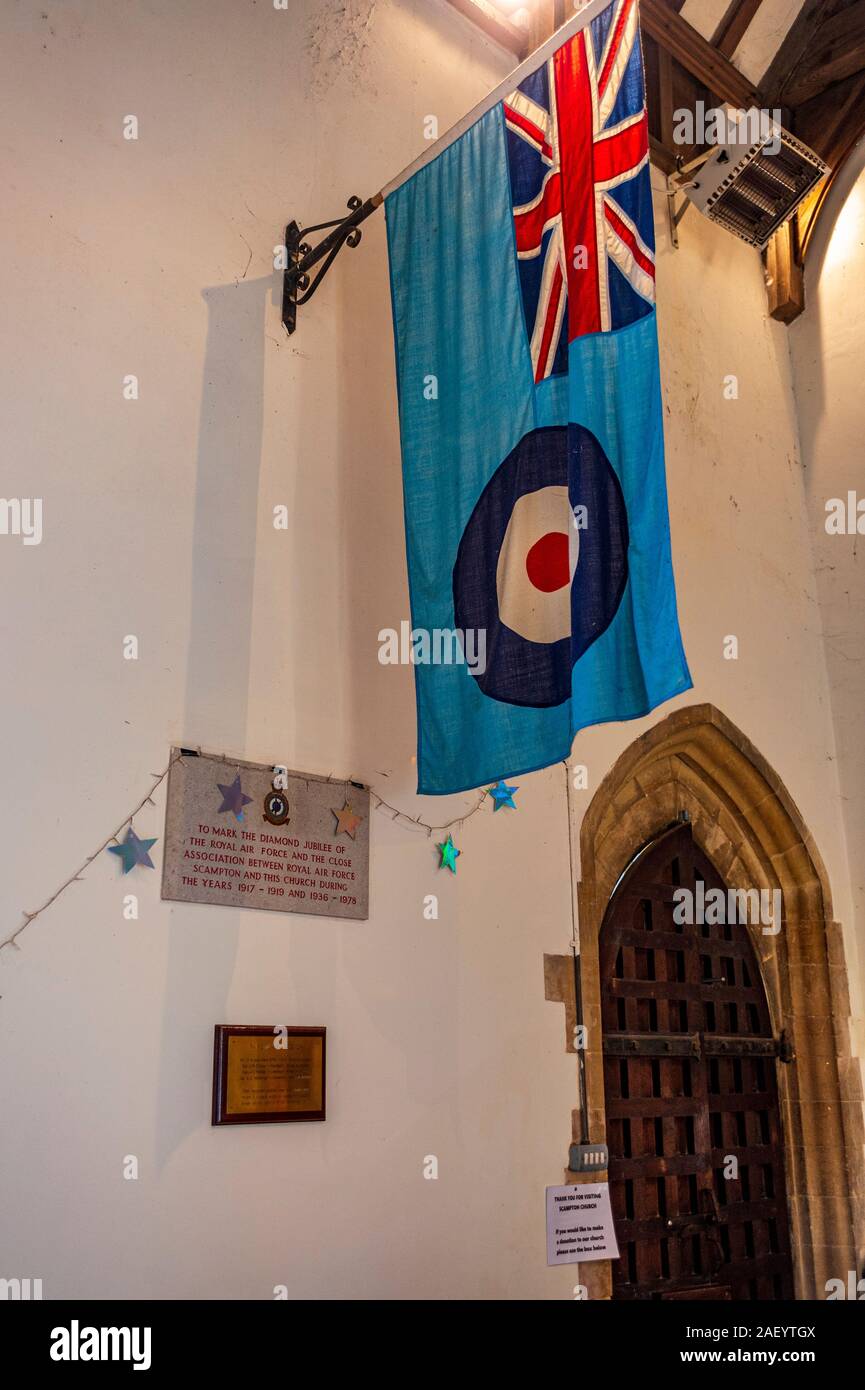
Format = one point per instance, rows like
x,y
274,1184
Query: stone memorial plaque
x,y
233,838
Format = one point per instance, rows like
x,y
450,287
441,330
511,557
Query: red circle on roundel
x,y
547,563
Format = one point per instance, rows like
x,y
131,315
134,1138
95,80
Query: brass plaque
x,y
264,1077
268,1074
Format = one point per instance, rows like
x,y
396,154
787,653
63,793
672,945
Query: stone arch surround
x,y
745,820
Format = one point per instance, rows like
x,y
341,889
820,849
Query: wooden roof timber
x,y
696,54
794,45
823,100
837,51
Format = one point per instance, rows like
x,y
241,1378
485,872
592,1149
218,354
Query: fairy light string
x,y
396,815
379,804
113,838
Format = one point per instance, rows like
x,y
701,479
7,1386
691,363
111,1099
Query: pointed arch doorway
x,y
697,1172
746,824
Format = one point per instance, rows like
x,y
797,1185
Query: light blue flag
x,y
522,278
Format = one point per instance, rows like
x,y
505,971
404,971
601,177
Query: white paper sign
x,y
580,1224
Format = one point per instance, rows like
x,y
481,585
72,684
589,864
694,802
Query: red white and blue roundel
x,y
542,564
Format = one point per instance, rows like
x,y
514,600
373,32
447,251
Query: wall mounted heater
x,y
751,181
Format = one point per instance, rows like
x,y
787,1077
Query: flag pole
x,y
578,21
301,257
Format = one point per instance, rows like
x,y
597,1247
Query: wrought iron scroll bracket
x,y
298,286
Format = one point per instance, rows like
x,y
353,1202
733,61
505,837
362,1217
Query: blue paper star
x,y
234,798
503,795
450,854
133,851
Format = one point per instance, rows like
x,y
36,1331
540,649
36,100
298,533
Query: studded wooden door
x,y
693,1127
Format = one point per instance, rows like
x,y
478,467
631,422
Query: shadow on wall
x,y
374,578
217,680
382,709
226,510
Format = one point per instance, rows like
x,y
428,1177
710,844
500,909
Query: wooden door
x,y
690,1083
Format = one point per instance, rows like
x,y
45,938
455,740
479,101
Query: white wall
x,y
744,536
154,257
828,348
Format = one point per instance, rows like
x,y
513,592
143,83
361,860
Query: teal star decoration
x,y
503,795
234,798
450,854
133,851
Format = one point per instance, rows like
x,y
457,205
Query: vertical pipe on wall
x,y
578,988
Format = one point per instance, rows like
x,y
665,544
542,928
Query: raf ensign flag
x,y
523,285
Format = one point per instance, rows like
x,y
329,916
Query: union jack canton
x,y
578,157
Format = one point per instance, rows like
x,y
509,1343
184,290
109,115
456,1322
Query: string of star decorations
x,y
134,852
501,794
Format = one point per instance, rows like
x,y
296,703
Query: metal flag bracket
x,y
301,257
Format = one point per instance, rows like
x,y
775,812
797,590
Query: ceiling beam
x,y
793,48
696,54
734,22
666,100
836,52
495,24
832,124
661,156
785,277
542,23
